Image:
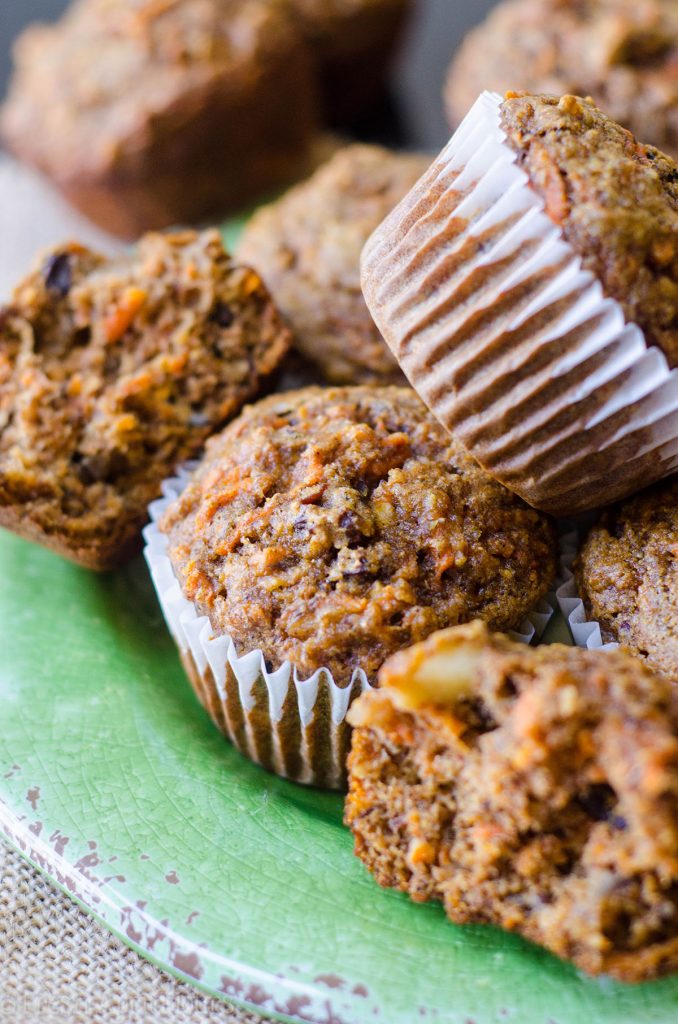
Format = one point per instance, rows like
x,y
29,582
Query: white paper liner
x,y
218,673
586,412
585,632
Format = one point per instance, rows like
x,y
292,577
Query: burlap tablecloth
x,y
58,966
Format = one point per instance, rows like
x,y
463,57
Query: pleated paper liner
x,y
511,344
585,632
293,727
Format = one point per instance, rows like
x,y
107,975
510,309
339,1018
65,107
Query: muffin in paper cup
x,y
619,578
509,336
293,727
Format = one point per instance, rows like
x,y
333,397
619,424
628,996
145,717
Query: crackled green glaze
x,y
113,780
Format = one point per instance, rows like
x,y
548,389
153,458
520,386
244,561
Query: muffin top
x,y
112,372
622,53
99,76
615,200
307,247
333,527
627,574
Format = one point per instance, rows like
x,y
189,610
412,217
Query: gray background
x,y
437,30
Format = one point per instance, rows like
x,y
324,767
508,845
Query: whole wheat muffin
x,y
307,247
531,788
627,575
147,114
353,43
333,527
623,53
111,373
615,199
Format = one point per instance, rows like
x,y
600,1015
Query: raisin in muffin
x,y
331,527
112,372
531,788
149,114
627,575
307,247
623,53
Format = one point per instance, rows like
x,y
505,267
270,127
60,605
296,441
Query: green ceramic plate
x,y
114,782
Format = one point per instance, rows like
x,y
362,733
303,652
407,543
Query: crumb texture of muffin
x,y
615,200
150,114
307,247
353,43
332,527
627,576
622,53
530,788
111,373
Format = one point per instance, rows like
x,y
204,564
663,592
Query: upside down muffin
x,y
307,248
528,286
627,576
114,371
147,114
623,53
331,527
531,788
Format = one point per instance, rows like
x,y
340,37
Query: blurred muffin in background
x,y
354,43
307,248
622,53
147,113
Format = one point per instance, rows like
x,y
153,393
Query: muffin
x,y
353,43
627,575
114,371
623,53
147,115
528,286
530,788
307,247
323,530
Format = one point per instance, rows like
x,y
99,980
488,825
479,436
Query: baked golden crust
x,y
111,373
627,575
151,114
307,247
543,799
333,527
621,52
615,200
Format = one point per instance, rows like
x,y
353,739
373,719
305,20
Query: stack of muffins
x,y
525,284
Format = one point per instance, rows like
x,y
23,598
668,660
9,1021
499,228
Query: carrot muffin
x,y
112,372
528,285
627,575
307,247
615,199
333,527
623,53
530,788
354,43
147,114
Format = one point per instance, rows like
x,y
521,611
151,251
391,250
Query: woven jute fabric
x,y
58,966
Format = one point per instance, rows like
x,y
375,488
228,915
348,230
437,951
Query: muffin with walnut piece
x,y
114,371
531,788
